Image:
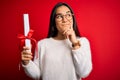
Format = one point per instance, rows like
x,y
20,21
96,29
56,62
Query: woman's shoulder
x,y
43,41
83,40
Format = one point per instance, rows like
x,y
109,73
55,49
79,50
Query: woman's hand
x,y
70,34
26,55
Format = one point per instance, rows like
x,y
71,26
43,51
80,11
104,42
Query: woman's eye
x,y
68,15
59,16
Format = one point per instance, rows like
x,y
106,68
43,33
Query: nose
x,y
64,19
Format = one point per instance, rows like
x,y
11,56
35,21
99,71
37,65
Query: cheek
x,y
59,27
71,22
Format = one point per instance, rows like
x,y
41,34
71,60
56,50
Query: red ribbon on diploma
x,y
29,36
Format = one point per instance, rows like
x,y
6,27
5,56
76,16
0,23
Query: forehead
x,y
62,10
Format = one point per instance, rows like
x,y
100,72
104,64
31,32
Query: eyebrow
x,y
68,12
61,13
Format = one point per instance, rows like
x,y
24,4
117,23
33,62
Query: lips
x,y
65,24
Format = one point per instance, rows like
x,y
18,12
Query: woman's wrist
x,y
76,44
25,62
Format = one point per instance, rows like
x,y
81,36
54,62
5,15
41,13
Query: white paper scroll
x,y
26,29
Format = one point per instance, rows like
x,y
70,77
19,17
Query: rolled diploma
x,y
26,30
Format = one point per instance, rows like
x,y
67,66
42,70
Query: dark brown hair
x,y
52,25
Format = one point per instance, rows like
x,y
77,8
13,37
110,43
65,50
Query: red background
x,y
99,21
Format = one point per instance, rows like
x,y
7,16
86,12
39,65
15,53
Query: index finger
x,y
26,48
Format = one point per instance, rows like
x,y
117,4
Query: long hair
x,y
52,25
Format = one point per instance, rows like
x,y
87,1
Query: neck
x,y
59,37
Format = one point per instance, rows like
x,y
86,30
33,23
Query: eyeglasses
x,y
68,16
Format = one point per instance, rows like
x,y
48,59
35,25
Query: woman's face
x,y
63,19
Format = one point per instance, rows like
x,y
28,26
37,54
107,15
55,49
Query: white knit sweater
x,y
57,60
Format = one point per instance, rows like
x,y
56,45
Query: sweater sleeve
x,y
33,68
82,58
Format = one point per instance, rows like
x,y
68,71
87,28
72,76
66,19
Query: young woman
x,y
63,55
